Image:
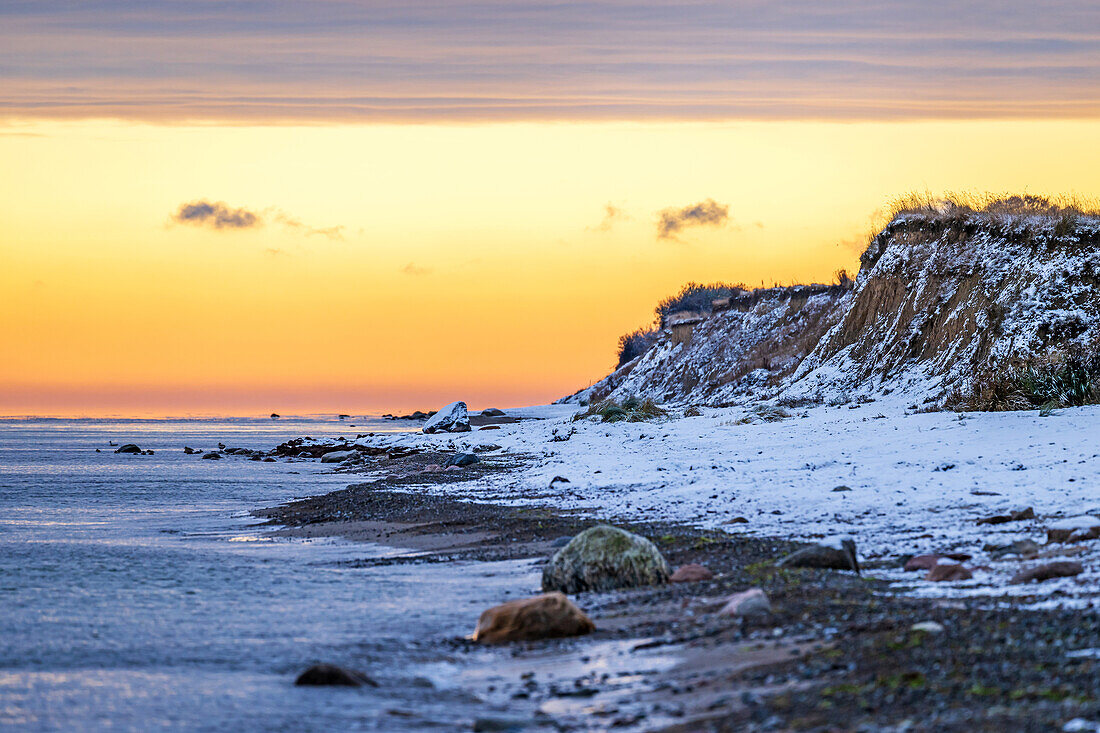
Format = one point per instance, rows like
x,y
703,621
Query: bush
x,y
634,344
1063,380
695,297
632,409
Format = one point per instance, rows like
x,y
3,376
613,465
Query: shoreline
x,y
837,647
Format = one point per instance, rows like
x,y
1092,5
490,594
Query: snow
x,y
919,482
1085,522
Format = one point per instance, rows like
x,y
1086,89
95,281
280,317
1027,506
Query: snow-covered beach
x,y
899,482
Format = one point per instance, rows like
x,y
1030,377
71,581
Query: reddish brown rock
x,y
692,573
948,572
927,562
1060,569
1074,529
549,616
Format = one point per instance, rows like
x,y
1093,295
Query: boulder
x,y
549,616
492,412
129,448
451,419
927,562
1060,569
691,573
928,627
337,456
1074,529
838,553
604,558
462,460
1013,516
329,675
1023,548
212,456
749,603
948,571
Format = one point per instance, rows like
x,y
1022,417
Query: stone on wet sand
x,y
836,554
604,558
329,675
947,571
337,456
462,460
548,616
1074,529
129,448
1059,569
691,573
747,604
453,418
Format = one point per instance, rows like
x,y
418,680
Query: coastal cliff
x,y
946,302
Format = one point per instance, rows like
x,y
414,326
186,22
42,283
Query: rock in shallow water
x,y
129,448
605,558
212,456
454,418
329,675
549,616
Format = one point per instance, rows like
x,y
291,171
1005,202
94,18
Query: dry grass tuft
x,y
632,409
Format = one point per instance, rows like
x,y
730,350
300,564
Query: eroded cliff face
x,y
938,302
739,353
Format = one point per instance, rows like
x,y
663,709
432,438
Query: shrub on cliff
x,y
695,297
1061,380
634,344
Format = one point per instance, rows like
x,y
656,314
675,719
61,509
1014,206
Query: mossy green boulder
x,y
604,558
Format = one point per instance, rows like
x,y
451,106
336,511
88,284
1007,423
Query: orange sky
x,y
402,266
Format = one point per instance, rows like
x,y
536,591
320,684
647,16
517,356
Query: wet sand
x,y
837,653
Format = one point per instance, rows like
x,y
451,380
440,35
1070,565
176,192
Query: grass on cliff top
x,y
956,203
631,409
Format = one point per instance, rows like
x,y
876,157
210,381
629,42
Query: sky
x,y
246,207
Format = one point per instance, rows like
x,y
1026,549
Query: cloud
x,y
219,215
611,215
414,270
290,222
705,213
216,215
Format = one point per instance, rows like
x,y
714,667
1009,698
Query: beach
x,y
837,646
193,585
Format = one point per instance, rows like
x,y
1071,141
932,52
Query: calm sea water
x,y
136,594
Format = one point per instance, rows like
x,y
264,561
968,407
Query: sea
x,y
138,593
